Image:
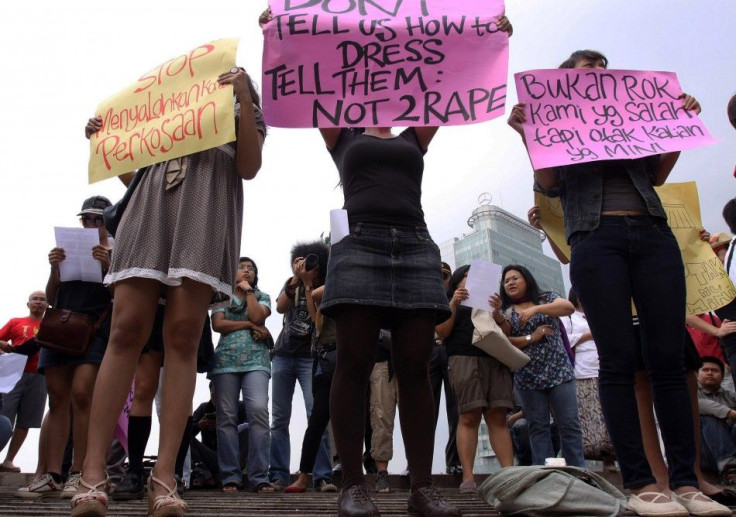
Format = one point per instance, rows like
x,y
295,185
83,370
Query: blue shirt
x,y
237,352
549,365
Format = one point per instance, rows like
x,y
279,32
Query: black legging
x,y
318,420
412,340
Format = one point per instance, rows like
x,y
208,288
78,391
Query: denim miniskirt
x,y
385,266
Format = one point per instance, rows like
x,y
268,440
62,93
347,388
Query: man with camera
x,y
292,362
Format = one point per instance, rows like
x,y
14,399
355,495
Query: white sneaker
x,y
697,503
43,486
70,487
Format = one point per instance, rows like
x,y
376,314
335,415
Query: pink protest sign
x,y
383,63
121,429
584,115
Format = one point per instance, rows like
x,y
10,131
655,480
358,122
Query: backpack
x,y
543,491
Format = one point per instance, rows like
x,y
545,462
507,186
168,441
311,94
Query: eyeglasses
x,y
510,279
251,269
97,220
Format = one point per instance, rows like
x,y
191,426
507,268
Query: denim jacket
x,y
580,188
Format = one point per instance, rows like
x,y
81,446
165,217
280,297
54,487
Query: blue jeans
x,y
718,444
625,258
286,371
254,386
562,399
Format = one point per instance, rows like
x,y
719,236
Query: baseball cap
x,y
94,205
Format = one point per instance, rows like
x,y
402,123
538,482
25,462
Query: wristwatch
x,y
528,338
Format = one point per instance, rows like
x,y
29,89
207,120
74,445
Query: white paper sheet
x,y
339,225
79,263
484,279
11,370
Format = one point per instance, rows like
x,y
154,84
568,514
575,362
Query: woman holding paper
x,y
622,248
70,379
179,239
530,318
481,384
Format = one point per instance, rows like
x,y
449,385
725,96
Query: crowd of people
x,y
373,323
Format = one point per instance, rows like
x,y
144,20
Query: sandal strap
x,y
93,492
657,495
690,496
170,499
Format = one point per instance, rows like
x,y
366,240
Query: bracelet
x,y
249,291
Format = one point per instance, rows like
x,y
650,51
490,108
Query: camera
x,y
311,262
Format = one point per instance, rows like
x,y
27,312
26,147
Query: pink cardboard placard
x,y
383,63
583,115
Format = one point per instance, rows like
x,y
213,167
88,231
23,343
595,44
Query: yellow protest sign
x,y
176,109
708,285
552,221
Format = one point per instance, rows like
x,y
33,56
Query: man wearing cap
x,y
25,403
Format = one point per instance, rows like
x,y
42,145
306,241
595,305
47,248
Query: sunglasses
x,y
96,220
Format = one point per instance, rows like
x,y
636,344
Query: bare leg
x,y
467,440
16,442
498,432
82,387
650,440
146,383
132,319
186,307
42,465
58,382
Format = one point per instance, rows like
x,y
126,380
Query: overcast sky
x,y
62,58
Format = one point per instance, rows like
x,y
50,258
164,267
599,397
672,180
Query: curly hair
x,y
319,248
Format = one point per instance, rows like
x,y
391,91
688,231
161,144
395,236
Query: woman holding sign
x,y
623,249
179,239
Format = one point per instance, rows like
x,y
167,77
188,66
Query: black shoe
x,y
726,496
455,470
355,501
130,488
181,486
428,502
369,464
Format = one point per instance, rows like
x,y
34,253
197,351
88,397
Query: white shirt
x,y
586,354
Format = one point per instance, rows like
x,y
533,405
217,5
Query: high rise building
x,y
502,238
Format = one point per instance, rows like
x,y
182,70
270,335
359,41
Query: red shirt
x,y
706,344
19,330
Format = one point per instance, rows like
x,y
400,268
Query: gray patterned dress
x,y
186,228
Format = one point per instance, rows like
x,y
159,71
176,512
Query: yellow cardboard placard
x,y
176,109
551,218
708,284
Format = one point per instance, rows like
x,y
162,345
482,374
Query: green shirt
x,y
237,352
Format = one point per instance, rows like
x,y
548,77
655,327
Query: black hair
x,y
255,276
319,248
572,297
532,288
731,110
578,55
729,215
714,360
456,278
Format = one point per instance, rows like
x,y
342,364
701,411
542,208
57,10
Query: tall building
x,y
502,238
